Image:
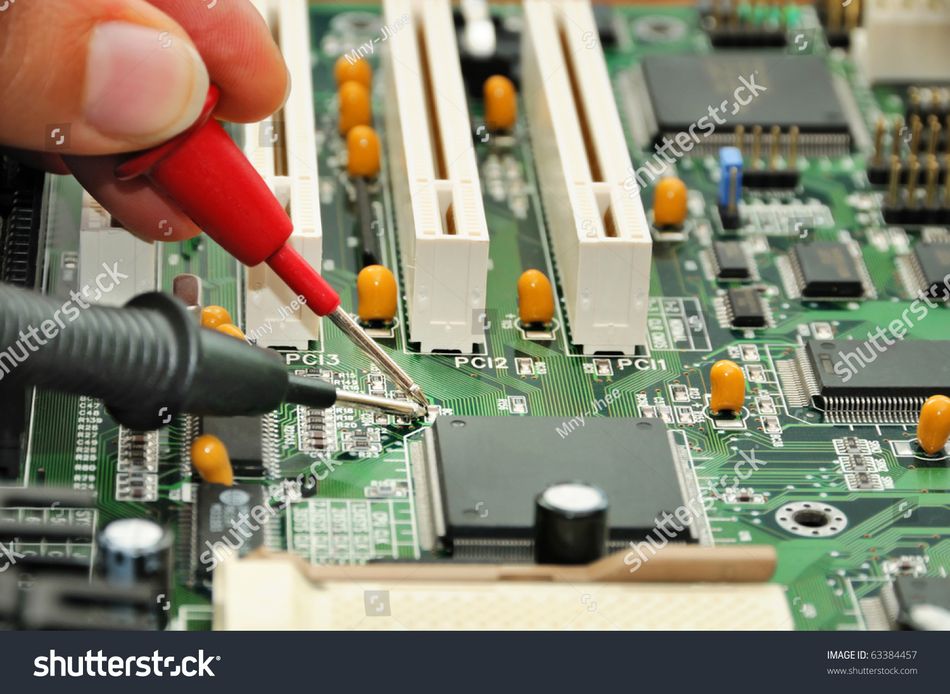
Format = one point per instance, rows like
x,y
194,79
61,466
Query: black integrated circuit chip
x,y
932,262
862,373
828,270
911,593
490,469
732,263
746,308
228,520
243,437
787,86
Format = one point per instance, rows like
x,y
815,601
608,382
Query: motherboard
x,y
754,182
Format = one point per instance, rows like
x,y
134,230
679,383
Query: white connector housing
x,y
599,231
439,211
283,150
103,246
904,41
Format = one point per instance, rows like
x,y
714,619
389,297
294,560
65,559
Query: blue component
x,y
729,158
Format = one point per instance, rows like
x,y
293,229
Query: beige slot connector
x,y
598,227
439,212
283,150
280,592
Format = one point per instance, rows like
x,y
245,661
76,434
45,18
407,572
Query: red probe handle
x,y
211,180
300,276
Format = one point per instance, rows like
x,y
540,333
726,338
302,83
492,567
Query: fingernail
x,y
142,84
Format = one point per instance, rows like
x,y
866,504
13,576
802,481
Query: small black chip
x,y
228,520
490,469
932,262
828,270
732,263
243,437
917,600
746,308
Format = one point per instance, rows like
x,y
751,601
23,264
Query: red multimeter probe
x,y
204,172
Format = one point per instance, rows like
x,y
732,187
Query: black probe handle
x,y
148,361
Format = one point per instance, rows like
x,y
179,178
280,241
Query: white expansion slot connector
x,y
283,150
597,225
904,41
114,265
439,212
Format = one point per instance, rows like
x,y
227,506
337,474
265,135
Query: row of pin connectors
x,y
920,140
772,159
914,194
839,19
928,101
747,24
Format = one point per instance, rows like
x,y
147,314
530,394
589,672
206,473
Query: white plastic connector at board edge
x,y
445,270
599,230
904,41
274,315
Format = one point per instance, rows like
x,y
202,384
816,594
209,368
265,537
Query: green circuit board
x,y
900,525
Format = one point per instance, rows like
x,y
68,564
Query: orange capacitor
x,y
213,316
535,298
346,70
355,106
232,330
933,426
669,202
728,387
210,457
501,103
362,149
376,294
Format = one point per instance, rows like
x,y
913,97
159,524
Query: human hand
x,y
83,82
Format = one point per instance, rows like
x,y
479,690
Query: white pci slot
x,y
283,150
104,247
904,41
599,231
441,219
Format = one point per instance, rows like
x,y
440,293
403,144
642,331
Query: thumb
x,y
95,77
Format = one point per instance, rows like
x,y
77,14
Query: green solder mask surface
x,y
73,441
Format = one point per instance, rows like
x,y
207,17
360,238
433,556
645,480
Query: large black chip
x,y
492,468
904,369
828,270
798,91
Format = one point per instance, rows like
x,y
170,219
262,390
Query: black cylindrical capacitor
x,y
570,524
133,550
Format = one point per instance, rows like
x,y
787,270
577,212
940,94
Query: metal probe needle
x,y
313,393
352,329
